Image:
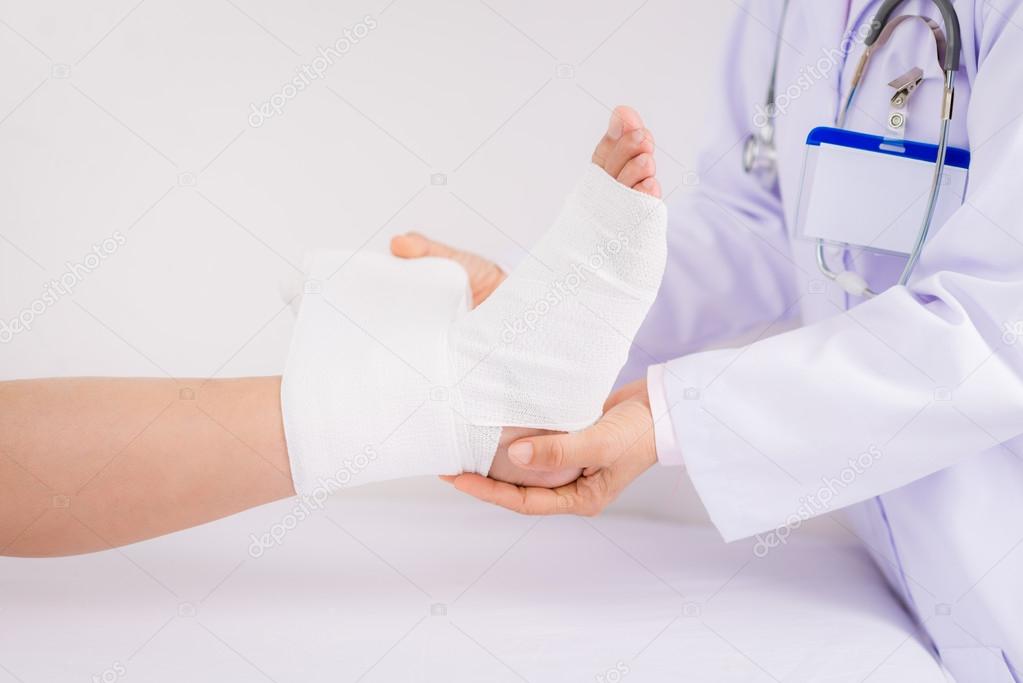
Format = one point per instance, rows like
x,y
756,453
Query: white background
x,y
134,117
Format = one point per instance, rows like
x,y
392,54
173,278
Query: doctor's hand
x,y
484,275
611,454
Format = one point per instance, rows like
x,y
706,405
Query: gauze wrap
x,y
365,392
389,376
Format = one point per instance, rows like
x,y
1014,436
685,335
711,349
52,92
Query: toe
x,y
416,245
638,169
623,120
650,186
632,144
410,245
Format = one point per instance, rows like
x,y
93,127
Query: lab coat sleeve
x,y
894,389
728,266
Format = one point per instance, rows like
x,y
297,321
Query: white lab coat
x,y
922,386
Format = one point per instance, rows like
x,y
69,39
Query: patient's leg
x,y
625,152
544,349
87,464
541,352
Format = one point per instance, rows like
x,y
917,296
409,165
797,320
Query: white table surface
x,y
386,585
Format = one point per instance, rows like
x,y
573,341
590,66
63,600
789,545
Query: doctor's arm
x,y
867,401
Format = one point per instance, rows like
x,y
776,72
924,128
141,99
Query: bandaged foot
x,y
390,375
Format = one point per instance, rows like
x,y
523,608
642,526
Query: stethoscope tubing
x,y
950,65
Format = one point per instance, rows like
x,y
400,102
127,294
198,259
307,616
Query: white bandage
x,y
544,350
388,376
365,395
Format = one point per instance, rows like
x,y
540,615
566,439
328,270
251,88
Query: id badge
x,y
872,192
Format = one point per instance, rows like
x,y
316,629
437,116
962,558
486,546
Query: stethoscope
x,y
760,154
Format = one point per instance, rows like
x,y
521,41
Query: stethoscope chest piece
x,y
759,155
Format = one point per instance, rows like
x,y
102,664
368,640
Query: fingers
x,y
582,497
522,499
587,496
612,453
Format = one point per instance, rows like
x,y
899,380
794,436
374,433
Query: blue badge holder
x,y
871,192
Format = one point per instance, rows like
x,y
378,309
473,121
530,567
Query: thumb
x,y
591,447
623,393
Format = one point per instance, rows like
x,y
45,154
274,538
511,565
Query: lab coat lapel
x,y
833,20
826,18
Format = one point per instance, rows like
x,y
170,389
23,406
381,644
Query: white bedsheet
x,y
384,586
